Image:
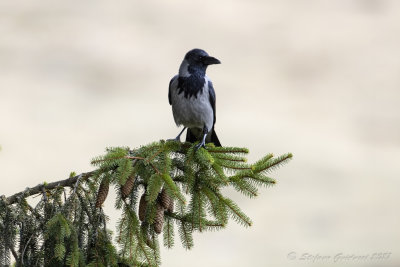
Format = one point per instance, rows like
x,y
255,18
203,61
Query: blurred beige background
x,y
320,79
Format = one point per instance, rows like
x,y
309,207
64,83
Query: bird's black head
x,y
199,59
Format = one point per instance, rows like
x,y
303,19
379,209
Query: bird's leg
x,y
178,138
203,141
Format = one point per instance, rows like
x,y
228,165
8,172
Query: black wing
x,y
169,89
211,93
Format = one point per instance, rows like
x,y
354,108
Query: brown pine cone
x,y
127,187
102,192
159,220
142,207
171,206
165,199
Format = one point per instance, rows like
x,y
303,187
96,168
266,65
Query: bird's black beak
x,y
211,60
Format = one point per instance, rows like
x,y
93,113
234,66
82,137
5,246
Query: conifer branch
x,y
272,164
132,157
230,158
26,245
69,182
228,150
70,227
14,253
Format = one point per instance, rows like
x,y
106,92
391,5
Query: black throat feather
x,y
191,85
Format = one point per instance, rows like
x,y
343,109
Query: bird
x,y
192,97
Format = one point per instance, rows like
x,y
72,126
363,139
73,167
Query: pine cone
x,y
159,220
171,206
142,207
127,187
102,193
165,199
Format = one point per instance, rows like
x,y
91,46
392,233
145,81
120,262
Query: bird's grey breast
x,y
191,102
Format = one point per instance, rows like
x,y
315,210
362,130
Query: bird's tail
x,y
214,138
193,135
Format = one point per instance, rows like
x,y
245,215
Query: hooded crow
x,y
192,96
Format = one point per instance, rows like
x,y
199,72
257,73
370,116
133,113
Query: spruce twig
x,y
66,227
38,189
14,253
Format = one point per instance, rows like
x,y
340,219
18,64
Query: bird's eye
x,y
201,58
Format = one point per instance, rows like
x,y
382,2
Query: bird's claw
x,y
201,144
